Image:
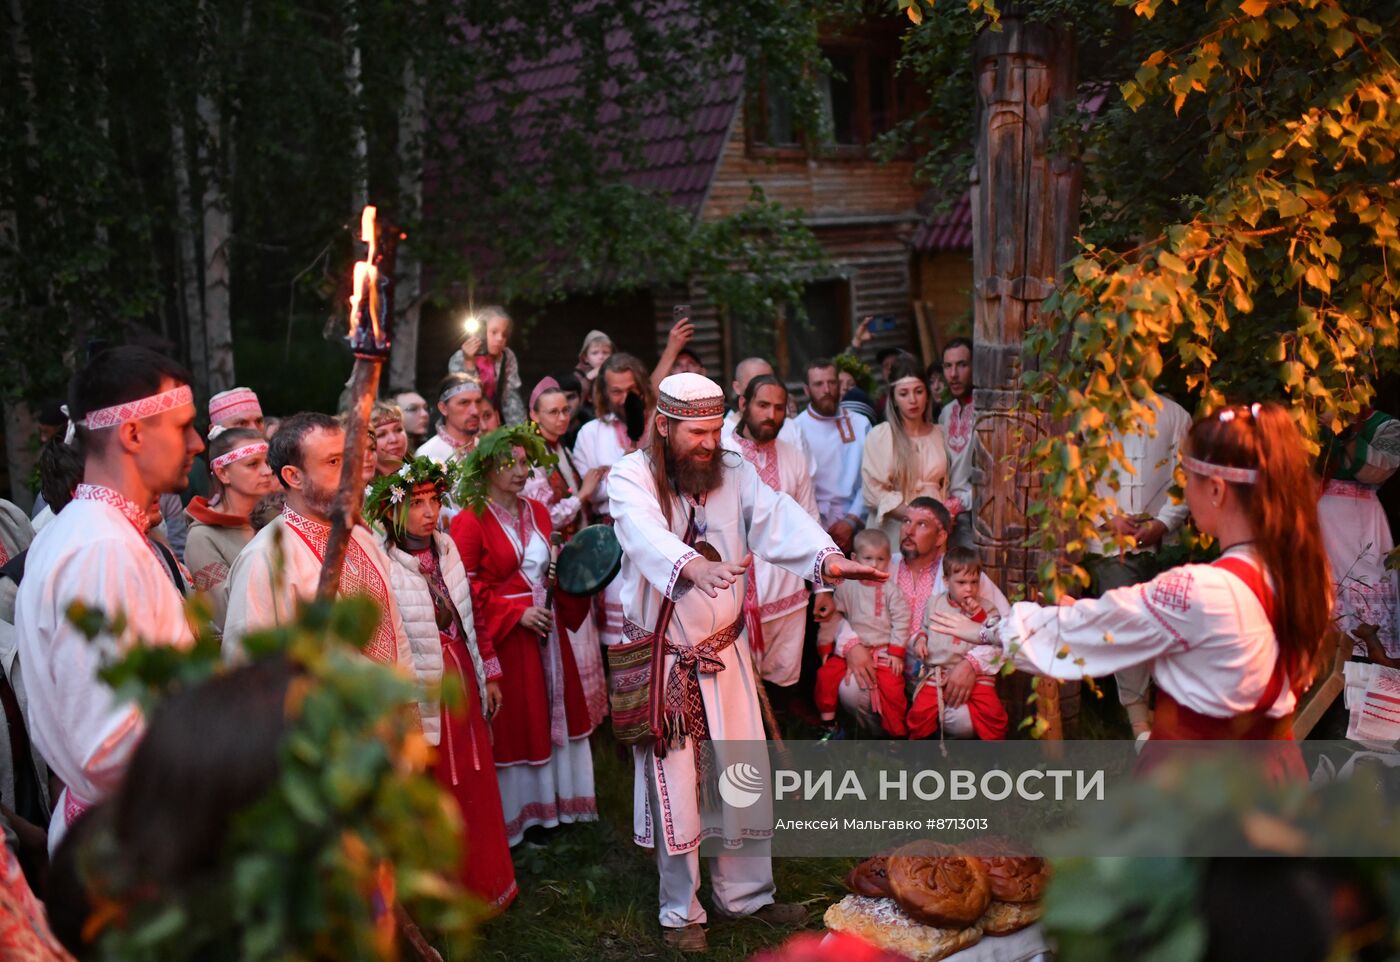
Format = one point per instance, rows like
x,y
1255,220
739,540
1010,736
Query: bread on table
x,y
882,923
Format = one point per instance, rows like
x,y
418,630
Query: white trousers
x,y
782,648
741,884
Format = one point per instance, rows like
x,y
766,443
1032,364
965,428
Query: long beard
x,y
694,477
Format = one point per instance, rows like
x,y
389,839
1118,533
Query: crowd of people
x,y
813,549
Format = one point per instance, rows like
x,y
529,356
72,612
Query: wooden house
x,y
883,255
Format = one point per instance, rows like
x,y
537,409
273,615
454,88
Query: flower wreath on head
x,y
858,370
498,449
387,498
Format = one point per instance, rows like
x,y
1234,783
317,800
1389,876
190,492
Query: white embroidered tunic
x,y
282,566
1202,629
95,551
741,515
837,444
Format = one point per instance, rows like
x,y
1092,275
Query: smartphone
x,y
883,322
681,312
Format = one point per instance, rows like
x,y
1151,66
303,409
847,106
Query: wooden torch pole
x,y
371,307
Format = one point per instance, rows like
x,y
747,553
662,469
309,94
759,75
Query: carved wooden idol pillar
x,y
1024,216
1025,207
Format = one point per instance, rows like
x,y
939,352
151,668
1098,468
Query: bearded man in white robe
x,y
690,516
134,414
777,599
281,566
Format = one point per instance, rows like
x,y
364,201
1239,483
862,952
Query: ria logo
x,y
740,785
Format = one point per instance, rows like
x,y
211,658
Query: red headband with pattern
x,y
110,417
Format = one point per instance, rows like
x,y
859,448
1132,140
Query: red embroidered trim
x,y
210,576
133,512
359,575
238,454
1147,602
768,467
711,407
141,408
782,606
538,813
1349,489
960,420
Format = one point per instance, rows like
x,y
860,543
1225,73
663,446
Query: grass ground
x,y
591,893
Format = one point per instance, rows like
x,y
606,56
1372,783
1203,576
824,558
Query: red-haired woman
x,y
543,761
1231,644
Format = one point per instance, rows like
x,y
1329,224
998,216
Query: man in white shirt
x,y
281,566
134,414
918,573
459,403
776,601
746,370
679,504
836,439
958,419
621,396
1147,514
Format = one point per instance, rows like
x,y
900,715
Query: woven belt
x,y
685,708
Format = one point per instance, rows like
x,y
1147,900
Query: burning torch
x,y
371,307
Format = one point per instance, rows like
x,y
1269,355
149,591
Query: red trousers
x,y
887,699
989,719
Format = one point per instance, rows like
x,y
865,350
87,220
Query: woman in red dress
x,y
543,761
430,585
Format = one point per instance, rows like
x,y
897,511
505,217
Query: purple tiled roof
x,y
949,231
676,155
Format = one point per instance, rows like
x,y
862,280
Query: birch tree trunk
x,y
191,295
403,358
218,323
359,142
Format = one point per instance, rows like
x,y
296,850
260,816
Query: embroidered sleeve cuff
x,y
822,555
493,669
677,587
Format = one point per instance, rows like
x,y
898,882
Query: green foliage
x,y
1239,222
387,498
857,369
527,203
495,452
1147,902
353,826
1275,281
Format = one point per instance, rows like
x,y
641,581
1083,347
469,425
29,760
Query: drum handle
x,y
556,541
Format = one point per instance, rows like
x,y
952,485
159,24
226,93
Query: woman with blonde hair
x,y
390,437
905,457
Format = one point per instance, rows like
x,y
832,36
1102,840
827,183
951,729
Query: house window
x,y
860,98
790,343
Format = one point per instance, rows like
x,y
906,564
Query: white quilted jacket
x,y
416,606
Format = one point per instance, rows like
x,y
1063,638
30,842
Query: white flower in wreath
x,y
395,494
406,470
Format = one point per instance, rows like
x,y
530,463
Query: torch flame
x,y
366,275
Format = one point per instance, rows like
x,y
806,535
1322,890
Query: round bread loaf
x,y
1017,878
870,878
949,890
